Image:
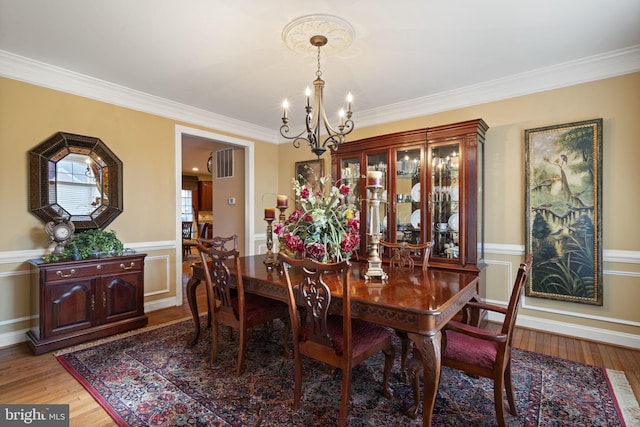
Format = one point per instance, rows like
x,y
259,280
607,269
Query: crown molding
x,y
597,67
41,74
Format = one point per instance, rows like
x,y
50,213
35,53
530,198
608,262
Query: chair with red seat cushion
x,y
230,305
485,353
334,339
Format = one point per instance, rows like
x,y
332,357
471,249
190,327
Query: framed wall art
x,y
563,210
309,173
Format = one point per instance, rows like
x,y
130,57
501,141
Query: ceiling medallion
x,y
297,33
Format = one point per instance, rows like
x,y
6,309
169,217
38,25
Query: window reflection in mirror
x,y
78,181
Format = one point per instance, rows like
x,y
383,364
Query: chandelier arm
x,y
284,129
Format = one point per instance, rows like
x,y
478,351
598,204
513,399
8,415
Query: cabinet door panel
x,y
406,196
69,307
205,195
377,162
120,296
447,215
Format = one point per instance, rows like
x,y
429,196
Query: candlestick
x,y
269,214
282,201
281,218
271,260
374,262
374,179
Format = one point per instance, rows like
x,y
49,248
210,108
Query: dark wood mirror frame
x,y
43,201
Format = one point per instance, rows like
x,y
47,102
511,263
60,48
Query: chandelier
x,y
316,117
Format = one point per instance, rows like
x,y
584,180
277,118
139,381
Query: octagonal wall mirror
x,y
77,178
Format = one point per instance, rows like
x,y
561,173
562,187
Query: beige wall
x,y
617,101
146,144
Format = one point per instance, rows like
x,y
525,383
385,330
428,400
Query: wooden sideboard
x,y
87,299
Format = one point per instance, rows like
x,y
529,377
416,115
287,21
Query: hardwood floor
x,y
29,379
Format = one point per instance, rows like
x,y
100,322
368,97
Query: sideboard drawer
x,y
70,272
97,267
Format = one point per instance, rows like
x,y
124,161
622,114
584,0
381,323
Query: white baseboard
x,y
575,331
160,304
13,337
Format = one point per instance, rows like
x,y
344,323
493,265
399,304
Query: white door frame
x,y
249,231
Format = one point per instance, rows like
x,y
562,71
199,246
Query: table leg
x,y
429,362
192,284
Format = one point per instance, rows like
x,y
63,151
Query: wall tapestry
x,y
563,211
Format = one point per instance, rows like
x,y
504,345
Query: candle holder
x,y
270,261
281,217
374,269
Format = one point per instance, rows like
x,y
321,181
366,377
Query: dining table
x,y
415,301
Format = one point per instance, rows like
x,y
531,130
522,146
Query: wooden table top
x,y
416,301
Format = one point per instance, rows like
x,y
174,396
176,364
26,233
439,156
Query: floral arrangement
x,y
325,227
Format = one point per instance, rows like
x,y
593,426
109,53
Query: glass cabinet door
x,y
350,175
444,199
407,196
378,162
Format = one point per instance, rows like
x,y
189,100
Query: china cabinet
x,y
87,299
433,183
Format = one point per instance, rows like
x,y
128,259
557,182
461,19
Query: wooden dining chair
x,y
219,242
205,230
481,352
229,305
187,239
334,339
222,244
400,256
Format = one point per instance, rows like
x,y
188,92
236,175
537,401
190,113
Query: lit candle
x,y
285,106
269,213
349,100
282,202
374,179
307,92
341,114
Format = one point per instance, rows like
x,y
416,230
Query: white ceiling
x,y
226,57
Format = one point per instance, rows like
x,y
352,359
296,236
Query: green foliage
x,y
572,273
94,242
579,142
540,229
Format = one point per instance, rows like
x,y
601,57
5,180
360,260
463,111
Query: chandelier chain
x,y
318,73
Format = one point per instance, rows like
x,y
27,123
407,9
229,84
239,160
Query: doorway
x,y
226,205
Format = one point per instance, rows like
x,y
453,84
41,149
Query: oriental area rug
x,y
153,377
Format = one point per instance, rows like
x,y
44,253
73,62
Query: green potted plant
x,y
91,243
